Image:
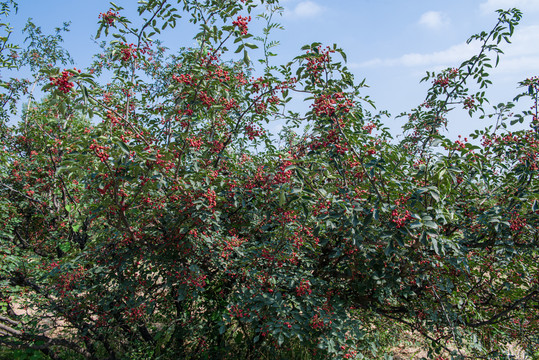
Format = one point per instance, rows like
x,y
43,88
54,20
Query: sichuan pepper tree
x,y
149,212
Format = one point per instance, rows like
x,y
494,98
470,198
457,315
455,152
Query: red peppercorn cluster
x,y
252,131
136,313
369,127
62,81
109,17
443,82
304,288
328,104
128,52
211,196
443,79
517,223
320,322
241,23
400,220
184,79
237,312
68,281
193,280
100,151
194,143
231,243
317,60
469,103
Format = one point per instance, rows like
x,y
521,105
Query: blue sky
x,y
391,43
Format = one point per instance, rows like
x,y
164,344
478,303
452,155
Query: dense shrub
x,y
147,211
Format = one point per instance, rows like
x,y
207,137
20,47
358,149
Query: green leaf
x,y
246,58
435,194
282,198
368,219
434,242
123,146
389,249
290,167
430,224
240,48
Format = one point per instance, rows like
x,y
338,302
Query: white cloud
x,y
489,6
521,56
305,9
449,57
524,41
433,19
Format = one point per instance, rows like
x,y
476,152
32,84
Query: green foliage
x,y
152,214
6,61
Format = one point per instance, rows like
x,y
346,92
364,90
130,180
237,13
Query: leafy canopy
x,y
147,210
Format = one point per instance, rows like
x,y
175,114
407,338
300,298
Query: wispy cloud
x,y
522,55
433,19
489,6
305,9
450,56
